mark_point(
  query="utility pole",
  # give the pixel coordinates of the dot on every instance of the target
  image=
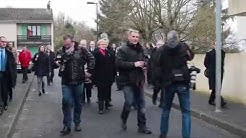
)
(218, 55)
(97, 20)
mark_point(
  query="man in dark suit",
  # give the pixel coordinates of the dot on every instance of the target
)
(8, 73)
(210, 64)
(92, 47)
(51, 55)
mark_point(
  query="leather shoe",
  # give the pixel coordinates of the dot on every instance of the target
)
(109, 104)
(1, 110)
(211, 103)
(154, 101)
(43, 90)
(5, 108)
(223, 104)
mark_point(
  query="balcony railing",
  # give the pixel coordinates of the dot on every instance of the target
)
(42, 38)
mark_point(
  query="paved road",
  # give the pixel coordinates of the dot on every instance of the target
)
(42, 118)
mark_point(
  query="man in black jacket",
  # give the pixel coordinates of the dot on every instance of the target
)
(131, 63)
(72, 59)
(210, 64)
(155, 73)
(175, 78)
(51, 55)
(8, 73)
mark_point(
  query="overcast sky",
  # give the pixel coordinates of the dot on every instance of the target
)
(76, 9)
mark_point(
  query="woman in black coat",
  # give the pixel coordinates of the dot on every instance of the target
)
(210, 64)
(103, 73)
(41, 67)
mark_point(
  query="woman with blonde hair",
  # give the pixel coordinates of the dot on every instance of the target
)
(103, 73)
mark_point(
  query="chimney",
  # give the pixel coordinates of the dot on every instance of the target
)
(48, 6)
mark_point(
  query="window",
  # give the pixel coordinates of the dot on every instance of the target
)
(34, 30)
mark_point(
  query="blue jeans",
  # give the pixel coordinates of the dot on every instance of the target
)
(183, 93)
(72, 97)
(134, 95)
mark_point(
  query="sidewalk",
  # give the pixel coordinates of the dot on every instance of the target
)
(9, 117)
(232, 118)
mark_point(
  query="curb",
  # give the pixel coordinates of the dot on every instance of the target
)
(228, 126)
(19, 109)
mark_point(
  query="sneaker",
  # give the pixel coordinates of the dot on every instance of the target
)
(1, 110)
(39, 94)
(154, 101)
(65, 130)
(163, 136)
(144, 131)
(78, 127)
(101, 112)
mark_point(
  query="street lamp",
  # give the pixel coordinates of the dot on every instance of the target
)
(97, 16)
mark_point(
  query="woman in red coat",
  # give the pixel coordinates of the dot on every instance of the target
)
(25, 58)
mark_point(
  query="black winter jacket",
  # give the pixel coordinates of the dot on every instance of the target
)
(171, 59)
(104, 72)
(125, 58)
(11, 72)
(72, 66)
(41, 64)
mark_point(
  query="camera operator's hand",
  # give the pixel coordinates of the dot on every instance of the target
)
(144, 68)
(87, 74)
(57, 63)
(139, 64)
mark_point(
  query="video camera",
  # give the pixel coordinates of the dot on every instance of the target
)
(193, 73)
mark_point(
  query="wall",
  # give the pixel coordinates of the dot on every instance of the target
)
(237, 7)
(9, 31)
(241, 30)
(234, 83)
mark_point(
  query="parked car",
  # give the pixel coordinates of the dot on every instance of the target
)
(19, 70)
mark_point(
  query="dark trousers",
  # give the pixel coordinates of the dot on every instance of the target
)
(156, 90)
(3, 90)
(133, 94)
(50, 77)
(103, 95)
(24, 71)
(87, 91)
(212, 97)
(10, 90)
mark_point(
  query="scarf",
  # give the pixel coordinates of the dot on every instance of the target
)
(70, 50)
(102, 51)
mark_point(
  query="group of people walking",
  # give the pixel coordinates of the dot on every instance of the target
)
(42, 64)
(81, 68)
